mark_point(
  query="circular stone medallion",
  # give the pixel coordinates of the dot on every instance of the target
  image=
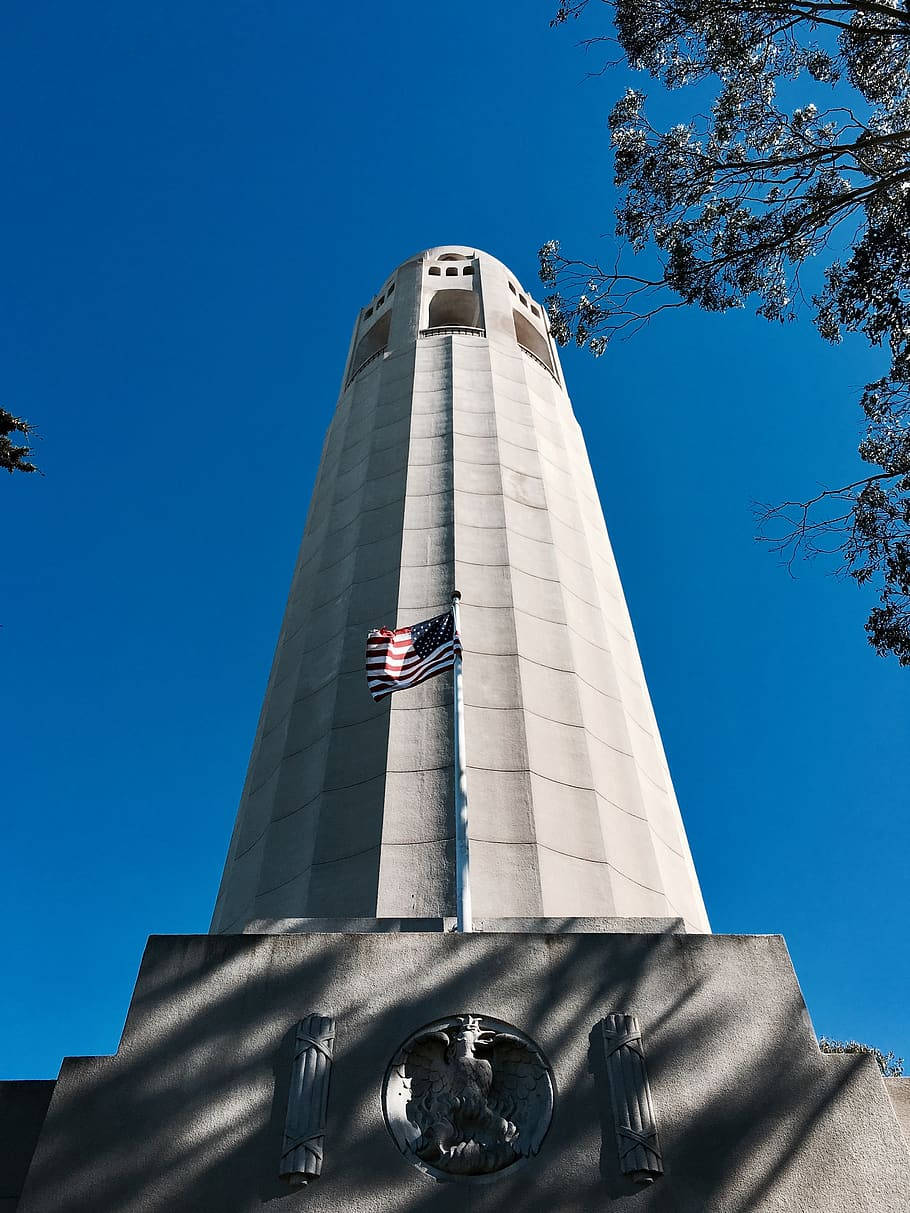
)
(468, 1098)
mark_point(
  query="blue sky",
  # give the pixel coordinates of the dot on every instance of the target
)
(198, 200)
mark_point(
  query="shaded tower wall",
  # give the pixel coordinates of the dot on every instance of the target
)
(454, 459)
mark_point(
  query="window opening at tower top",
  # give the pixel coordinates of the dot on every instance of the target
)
(454, 308)
(374, 340)
(531, 339)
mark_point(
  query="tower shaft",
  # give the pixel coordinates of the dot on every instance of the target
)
(454, 459)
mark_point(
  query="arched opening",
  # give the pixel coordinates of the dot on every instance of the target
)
(532, 339)
(372, 342)
(453, 257)
(455, 309)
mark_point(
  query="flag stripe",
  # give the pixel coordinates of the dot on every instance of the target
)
(396, 660)
(382, 691)
(444, 654)
(442, 662)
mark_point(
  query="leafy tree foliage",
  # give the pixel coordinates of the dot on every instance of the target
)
(890, 1066)
(13, 456)
(735, 201)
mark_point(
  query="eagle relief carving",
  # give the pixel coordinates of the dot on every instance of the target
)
(468, 1097)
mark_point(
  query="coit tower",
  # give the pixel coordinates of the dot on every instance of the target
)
(582, 1039)
(454, 459)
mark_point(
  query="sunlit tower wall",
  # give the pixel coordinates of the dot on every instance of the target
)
(454, 459)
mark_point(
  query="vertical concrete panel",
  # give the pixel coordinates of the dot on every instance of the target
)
(348, 571)
(627, 848)
(504, 870)
(645, 783)
(240, 880)
(415, 876)
(570, 848)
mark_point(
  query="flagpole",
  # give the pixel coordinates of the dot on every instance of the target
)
(463, 919)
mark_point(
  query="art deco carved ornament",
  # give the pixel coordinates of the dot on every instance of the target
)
(468, 1097)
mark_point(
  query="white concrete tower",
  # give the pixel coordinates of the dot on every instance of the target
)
(454, 460)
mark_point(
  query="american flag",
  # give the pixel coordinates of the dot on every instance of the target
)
(403, 658)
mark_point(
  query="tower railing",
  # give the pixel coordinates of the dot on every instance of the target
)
(442, 330)
(366, 362)
(446, 330)
(536, 358)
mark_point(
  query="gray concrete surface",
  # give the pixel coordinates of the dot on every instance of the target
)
(899, 1091)
(454, 458)
(539, 926)
(23, 1107)
(189, 1114)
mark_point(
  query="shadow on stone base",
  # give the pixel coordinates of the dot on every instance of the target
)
(189, 1115)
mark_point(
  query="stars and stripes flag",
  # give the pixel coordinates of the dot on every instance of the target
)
(403, 658)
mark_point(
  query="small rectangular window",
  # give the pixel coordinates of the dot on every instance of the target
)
(391, 288)
(521, 299)
(535, 310)
(434, 269)
(451, 270)
(380, 301)
(368, 313)
(468, 269)
(512, 289)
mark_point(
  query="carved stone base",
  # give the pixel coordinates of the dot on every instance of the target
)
(189, 1115)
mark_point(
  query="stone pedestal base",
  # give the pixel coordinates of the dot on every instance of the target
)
(189, 1115)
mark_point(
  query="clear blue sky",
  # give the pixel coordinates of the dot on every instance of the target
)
(197, 200)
